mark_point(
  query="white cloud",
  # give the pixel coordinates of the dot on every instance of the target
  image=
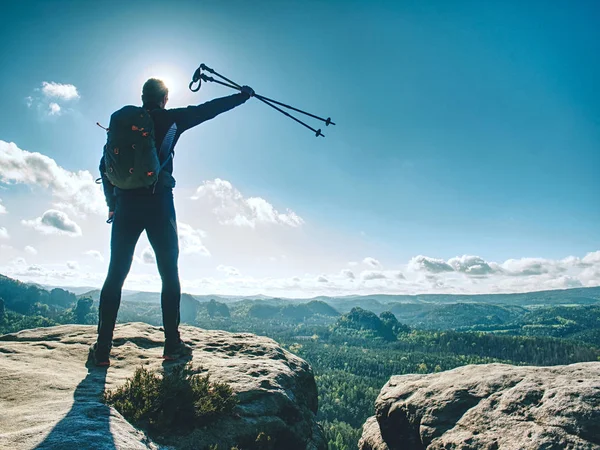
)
(513, 275)
(232, 208)
(48, 100)
(54, 109)
(18, 262)
(348, 274)
(73, 265)
(372, 275)
(563, 282)
(190, 240)
(590, 276)
(58, 90)
(4, 233)
(530, 266)
(54, 222)
(229, 270)
(148, 256)
(573, 274)
(471, 265)
(372, 262)
(476, 266)
(76, 189)
(29, 249)
(51, 274)
(2, 208)
(591, 259)
(433, 265)
(95, 254)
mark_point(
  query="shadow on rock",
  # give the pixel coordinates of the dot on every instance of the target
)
(87, 424)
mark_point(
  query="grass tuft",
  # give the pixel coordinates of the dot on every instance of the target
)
(177, 400)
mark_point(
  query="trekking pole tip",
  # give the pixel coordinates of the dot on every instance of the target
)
(318, 133)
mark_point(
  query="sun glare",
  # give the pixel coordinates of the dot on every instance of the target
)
(171, 76)
(165, 79)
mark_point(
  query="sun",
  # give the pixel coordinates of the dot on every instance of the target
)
(172, 76)
(165, 79)
(168, 82)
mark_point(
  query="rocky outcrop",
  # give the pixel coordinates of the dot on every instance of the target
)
(494, 406)
(49, 399)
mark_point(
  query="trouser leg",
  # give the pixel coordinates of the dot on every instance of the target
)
(162, 234)
(126, 230)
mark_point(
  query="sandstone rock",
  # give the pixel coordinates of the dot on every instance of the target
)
(494, 406)
(49, 399)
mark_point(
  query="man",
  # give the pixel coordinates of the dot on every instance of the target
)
(152, 209)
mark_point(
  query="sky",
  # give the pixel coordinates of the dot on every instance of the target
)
(464, 159)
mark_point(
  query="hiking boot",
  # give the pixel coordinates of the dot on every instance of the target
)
(176, 351)
(99, 355)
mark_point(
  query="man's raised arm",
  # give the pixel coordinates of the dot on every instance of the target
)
(194, 115)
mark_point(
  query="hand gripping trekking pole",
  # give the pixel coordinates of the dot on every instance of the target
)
(198, 77)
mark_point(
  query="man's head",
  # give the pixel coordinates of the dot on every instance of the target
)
(155, 92)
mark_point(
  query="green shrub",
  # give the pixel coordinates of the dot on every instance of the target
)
(176, 401)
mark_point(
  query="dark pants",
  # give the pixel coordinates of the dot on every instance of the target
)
(134, 214)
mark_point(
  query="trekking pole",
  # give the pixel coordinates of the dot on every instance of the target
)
(262, 97)
(199, 76)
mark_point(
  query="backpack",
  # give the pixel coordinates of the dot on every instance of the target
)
(130, 157)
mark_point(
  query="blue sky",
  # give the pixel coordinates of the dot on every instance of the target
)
(464, 128)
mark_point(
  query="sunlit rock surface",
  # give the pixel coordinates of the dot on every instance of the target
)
(494, 406)
(50, 400)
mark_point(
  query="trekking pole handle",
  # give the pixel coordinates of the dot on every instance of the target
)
(206, 68)
(196, 78)
(222, 83)
(214, 72)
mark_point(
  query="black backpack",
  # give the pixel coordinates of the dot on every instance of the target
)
(131, 160)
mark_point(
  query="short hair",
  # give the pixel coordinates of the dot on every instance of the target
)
(153, 91)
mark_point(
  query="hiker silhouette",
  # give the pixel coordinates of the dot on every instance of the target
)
(149, 207)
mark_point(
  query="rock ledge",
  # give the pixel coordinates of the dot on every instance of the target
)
(494, 406)
(49, 399)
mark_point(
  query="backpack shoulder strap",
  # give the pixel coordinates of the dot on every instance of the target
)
(167, 145)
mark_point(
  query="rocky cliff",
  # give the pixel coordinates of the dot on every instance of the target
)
(493, 406)
(50, 399)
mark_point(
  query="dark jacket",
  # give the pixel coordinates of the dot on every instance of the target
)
(184, 119)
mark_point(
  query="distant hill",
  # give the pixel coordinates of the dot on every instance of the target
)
(383, 302)
(300, 312)
(460, 315)
(133, 296)
(78, 290)
(25, 298)
(95, 294)
(569, 313)
(368, 324)
(575, 296)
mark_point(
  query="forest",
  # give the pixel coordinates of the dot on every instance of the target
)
(355, 344)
